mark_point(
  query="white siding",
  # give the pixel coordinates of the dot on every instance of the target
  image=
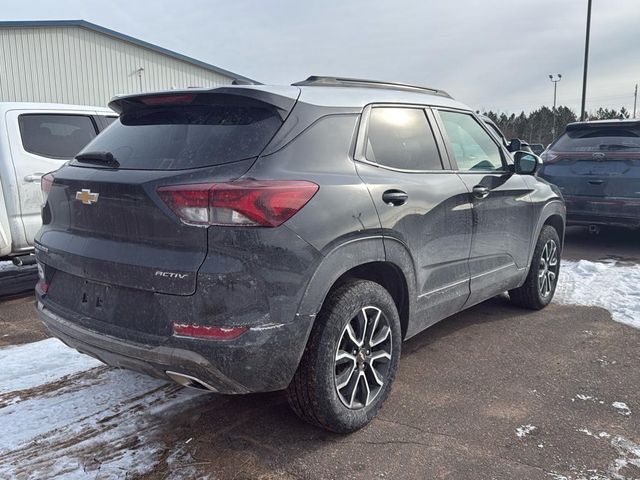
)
(80, 66)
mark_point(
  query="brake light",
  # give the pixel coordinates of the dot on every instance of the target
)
(182, 99)
(46, 182)
(251, 203)
(212, 333)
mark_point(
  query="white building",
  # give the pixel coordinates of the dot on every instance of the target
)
(77, 62)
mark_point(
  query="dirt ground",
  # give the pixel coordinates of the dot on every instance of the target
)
(492, 393)
(18, 322)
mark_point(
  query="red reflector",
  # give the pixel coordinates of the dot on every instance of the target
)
(201, 331)
(257, 203)
(183, 99)
(42, 287)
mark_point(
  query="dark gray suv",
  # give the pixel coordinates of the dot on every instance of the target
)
(259, 238)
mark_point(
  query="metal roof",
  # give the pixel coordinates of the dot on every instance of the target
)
(121, 36)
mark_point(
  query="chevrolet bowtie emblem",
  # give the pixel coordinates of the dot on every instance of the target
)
(87, 197)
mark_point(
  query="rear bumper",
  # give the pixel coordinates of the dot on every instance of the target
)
(262, 359)
(610, 211)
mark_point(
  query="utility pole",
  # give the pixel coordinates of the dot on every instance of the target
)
(635, 101)
(555, 91)
(583, 115)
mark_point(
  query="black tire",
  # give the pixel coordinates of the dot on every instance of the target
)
(531, 294)
(313, 393)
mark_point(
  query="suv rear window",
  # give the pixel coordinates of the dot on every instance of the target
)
(188, 136)
(54, 135)
(599, 139)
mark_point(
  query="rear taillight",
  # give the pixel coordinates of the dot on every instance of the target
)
(46, 181)
(252, 203)
(207, 332)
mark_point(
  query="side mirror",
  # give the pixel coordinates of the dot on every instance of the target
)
(526, 163)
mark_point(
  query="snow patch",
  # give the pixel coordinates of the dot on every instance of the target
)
(34, 364)
(609, 285)
(600, 435)
(6, 265)
(100, 422)
(628, 454)
(622, 408)
(524, 430)
(584, 398)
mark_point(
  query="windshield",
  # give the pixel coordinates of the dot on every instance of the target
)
(191, 136)
(599, 140)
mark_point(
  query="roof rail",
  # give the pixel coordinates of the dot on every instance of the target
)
(320, 81)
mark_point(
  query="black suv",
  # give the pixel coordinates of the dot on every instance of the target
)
(258, 238)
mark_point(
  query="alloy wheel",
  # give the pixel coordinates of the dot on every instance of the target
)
(362, 358)
(548, 271)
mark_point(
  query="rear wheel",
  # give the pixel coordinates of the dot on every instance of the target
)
(540, 285)
(350, 360)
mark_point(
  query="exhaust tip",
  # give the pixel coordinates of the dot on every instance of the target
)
(24, 260)
(189, 381)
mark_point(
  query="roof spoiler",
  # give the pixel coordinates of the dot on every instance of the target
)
(322, 81)
(621, 123)
(202, 96)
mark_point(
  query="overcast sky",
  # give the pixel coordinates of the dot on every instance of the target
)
(490, 54)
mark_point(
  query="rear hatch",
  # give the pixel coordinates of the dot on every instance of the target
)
(105, 227)
(596, 161)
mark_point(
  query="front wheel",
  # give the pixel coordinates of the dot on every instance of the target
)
(540, 285)
(350, 360)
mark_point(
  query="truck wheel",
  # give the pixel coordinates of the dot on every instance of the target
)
(538, 289)
(350, 360)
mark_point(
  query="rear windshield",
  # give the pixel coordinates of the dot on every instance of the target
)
(189, 136)
(599, 139)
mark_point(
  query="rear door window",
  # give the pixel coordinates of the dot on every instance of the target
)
(188, 136)
(471, 145)
(599, 140)
(55, 135)
(402, 138)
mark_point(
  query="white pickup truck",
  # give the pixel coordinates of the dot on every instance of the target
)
(35, 138)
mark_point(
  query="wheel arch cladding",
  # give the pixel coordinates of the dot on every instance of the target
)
(364, 259)
(554, 214)
(390, 277)
(557, 222)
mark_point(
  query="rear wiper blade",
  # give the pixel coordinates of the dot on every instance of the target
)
(105, 158)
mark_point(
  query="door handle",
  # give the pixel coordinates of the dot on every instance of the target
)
(480, 191)
(596, 182)
(34, 177)
(395, 197)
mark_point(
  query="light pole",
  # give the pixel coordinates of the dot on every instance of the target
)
(583, 113)
(555, 92)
